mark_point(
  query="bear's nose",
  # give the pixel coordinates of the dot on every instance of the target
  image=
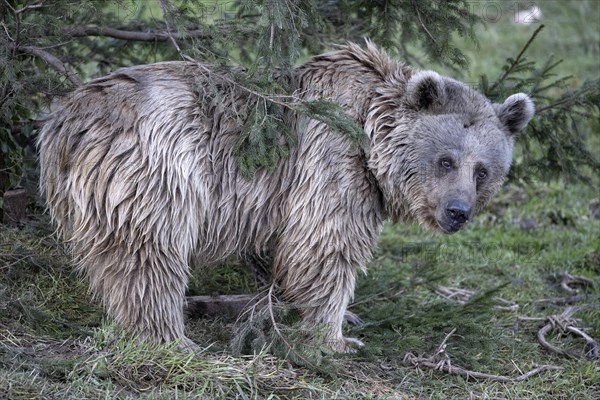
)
(458, 211)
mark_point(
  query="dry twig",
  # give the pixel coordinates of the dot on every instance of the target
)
(559, 301)
(462, 296)
(446, 366)
(566, 324)
(29, 7)
(509, 305)
(424, 27)
(458, 295)
(482, 375)
(52, 61)
(567, 281)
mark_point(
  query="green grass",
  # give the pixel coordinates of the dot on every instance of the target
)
(497, 258)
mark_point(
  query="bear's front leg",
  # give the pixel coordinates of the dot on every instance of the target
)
(331, 316)
(319, 280)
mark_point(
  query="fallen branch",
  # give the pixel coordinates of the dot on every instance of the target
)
(273, 321)
(458, 295)
(517, 324)
(420, 362)
(567, 280)
(541, 336)
(560, 301)
(261, 314)
(445, 365)
(565, 324)
(592, 350)
(509, 305)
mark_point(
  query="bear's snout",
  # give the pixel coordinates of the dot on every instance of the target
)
(456, 215)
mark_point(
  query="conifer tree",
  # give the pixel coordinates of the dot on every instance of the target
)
(49, 47)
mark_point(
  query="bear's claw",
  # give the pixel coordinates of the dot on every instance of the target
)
(346, 345)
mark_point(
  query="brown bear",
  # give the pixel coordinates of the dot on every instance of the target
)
(139, 173)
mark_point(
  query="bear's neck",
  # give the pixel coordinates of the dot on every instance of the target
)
(360, 90)
(323, 79)
(346, 79)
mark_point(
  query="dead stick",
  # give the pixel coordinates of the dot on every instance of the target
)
(594, 349)
(567, 280)
(566, 300)
(566, 324)
(451, 369)
(541, 336)
(561, 320)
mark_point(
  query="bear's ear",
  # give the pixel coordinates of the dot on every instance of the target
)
(424, 89)
(515, 113)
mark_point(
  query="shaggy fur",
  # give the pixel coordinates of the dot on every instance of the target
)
(139, 173)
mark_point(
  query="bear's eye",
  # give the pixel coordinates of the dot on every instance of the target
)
(482, 173)
(446, 163)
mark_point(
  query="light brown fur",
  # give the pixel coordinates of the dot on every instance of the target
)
(139, 173)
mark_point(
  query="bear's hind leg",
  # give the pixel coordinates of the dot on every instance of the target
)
(143, 291)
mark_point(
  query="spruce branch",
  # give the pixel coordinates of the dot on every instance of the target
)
(52, 61)
(29, 7)
(568, 99)
(424, 27)
(559, 113)
(265, 124)
(83, 31)
(164, 4)
(516, 62)
(334, 116)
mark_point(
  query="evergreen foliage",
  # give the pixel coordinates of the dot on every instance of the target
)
(555, 144)
(49, 47)
(395, 24)
(334, 116)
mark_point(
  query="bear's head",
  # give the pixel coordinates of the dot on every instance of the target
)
(440, 149)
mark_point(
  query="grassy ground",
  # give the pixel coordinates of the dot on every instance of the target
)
(55, 342)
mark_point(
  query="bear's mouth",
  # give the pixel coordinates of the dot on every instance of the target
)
(438, 221)
(450, 227)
